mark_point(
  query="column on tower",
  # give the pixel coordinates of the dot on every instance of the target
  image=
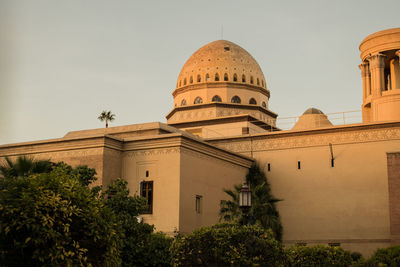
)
(395, 71)
(366, 79)
(377, 68)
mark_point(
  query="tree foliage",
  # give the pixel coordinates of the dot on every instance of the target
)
(227, 245)
(263, 210)
(106, 116)
(24, 166)
(389, 257)
(52, 219)
(141, 246)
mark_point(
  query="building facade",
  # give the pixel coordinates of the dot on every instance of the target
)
(340, 184)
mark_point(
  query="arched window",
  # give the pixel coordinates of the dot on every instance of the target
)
(264, 104)
(258, 81)
(262, 83)
(191, 79)
(252, 101)
(183, 102)
(198, 78)
(216, 77)
(226, 77)
(207, 77)
(216, 98)
(236, 99)
(235, 77)
(251, 80)
(243, 78)
(198, 100)
(184, 81)
(180, 82)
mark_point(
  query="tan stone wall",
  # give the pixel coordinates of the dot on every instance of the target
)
(393, 165)
(347, 203)
(206, 176)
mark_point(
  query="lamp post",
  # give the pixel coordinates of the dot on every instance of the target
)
(245, 202)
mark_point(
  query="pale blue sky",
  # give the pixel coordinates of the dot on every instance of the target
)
(63, 62)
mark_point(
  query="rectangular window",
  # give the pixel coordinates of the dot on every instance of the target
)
(269, 167)
(198, 203)
(302, 244)
(332, 163)
(299, 165)
(146, 191)
(334, 244)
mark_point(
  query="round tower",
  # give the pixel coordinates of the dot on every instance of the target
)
(380, 71)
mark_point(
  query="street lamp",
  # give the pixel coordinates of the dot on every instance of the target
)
(245, 202)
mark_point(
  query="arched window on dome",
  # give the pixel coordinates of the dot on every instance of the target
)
(226, 77)
(184, 81)
(207, 77)
(216, 77)
(198, 78)
(264, 105)
(243, 78)
(235, 77)
(198, 100)
(262, 83)
(183, 102)
(236, 99)
(180, 83)
(252, 101)
(216, 98)
(251, 80)
(258, 81)
(191, 79)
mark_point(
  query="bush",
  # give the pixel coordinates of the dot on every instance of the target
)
(52, 219)
(385, 257)
(317, 256)
(227, 245)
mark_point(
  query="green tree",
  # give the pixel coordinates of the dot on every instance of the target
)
(106, 116)
(24, 166)
(299, 256)
(385, 257)
(263, 204)
(227, 245)
(141, 246)
(52, 219)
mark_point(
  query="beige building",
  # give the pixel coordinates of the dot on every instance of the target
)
(340, 184)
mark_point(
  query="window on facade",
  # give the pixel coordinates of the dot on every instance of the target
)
(264, 105)
(198, 100)
(226, 77)
(216, 98)
(191, 79)
(183, 102)
(262, 83)
(184, 81)
(147, 173)
(146, 191)
(207, 77)
(302, 244)
(216, 77)
(269, 167)
(236, 99)
(235, 77)
(198, 205)
(198, 78)
(243, 78)
(334, 244)
(252, 101)
(180, 83)
(258, 81)
(299, 165)
(251, 80)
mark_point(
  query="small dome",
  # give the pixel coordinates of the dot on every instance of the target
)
(312, 118)
(221, 61)
(313, 111)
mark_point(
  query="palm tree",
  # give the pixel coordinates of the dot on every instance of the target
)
(106, 116)
(263, 210)
(24, 166)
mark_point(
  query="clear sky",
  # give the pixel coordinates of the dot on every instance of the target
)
(63, 62)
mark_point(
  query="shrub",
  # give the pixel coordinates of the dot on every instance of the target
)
(227, 245)
(317, 256)
(385, 257)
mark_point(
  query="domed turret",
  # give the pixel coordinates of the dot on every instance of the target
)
(312, 118)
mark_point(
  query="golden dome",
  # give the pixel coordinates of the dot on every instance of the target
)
(221, 61)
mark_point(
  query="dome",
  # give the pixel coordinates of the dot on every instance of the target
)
(313, 111)
(221, 61)
(312, 118)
